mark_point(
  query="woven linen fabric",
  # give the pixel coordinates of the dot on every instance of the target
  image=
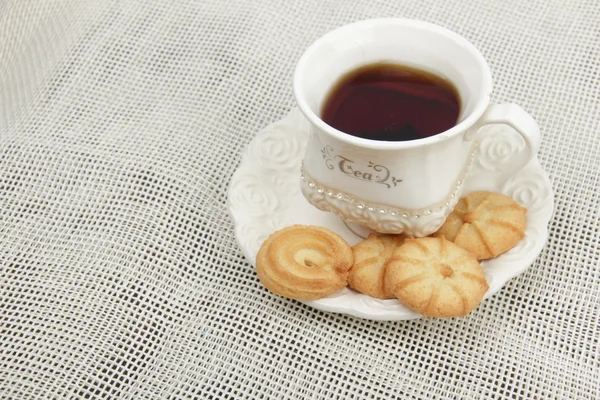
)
(121, 124)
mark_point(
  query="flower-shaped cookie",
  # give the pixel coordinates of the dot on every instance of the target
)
(370, 261)
(486, 224)
(435, 277)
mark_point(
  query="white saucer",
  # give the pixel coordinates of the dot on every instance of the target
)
(264, 196)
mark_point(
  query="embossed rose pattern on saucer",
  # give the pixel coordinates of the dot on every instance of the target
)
(264, 196)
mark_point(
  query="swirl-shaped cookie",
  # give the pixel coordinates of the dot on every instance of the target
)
(370, 262)
(486, 224)
(304, 262)
(435, 277)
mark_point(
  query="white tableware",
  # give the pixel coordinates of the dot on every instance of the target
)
(264, 196)
(410, 186)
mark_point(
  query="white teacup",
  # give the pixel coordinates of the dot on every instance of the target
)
(398, 187)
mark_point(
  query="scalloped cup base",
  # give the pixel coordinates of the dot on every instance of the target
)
(378, 218)
(265, 195)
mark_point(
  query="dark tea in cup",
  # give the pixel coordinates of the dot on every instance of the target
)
(391, 102)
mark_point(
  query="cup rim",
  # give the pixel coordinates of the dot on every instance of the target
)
(462, 126)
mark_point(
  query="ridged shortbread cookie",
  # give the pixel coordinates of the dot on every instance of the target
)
(370, 261)
(486, 224)
(304, 262)
(435, 277)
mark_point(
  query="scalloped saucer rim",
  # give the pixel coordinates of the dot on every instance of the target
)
(264, 196)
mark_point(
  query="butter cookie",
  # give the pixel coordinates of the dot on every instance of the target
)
(435, 277)
(304, 262)
(486, 224)
(370, 261)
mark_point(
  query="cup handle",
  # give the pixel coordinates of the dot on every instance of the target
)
(524, 124)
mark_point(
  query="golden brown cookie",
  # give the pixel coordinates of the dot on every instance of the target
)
(370, 261)
(304, 262)
(435, 277)
(486, 224)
